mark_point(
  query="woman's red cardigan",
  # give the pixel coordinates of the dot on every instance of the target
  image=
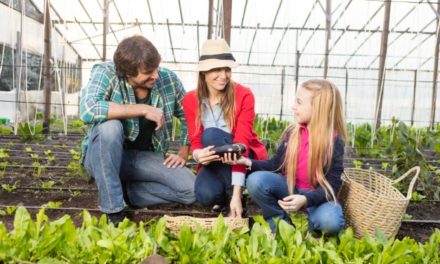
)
(243, 131)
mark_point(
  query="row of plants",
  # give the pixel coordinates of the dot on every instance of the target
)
(404, 145)
(33, 130)
(95, 241)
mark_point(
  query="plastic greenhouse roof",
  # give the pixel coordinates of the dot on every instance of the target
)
(263, 32)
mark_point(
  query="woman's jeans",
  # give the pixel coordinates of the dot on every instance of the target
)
(146, 179)
(213, 182)
(266, 188)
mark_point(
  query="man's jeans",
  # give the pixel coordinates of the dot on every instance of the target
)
(146, 179)
(266, 188)
(213, 182)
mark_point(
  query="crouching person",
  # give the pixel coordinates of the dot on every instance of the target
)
(130, 103)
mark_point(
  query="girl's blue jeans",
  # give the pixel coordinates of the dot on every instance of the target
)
(266, 188)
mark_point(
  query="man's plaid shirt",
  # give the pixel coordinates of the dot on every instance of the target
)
(105, 86)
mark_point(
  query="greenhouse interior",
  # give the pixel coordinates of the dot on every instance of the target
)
(368, 161)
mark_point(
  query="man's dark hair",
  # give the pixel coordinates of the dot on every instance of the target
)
(134, 52)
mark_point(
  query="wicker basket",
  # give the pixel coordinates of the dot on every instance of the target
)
(175, 223)
(370, 201)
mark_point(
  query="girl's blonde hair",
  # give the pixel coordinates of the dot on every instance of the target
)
(327, 119)
(227, 102)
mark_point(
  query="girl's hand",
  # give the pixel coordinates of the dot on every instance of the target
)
(205, 156)
(231, 159)
(293, 203)
(236, 208)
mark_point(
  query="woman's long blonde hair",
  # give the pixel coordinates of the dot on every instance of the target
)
(227, 102)
(326, 120)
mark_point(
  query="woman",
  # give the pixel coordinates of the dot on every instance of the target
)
(220, 111)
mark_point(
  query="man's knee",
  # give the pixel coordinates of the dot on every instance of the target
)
(110, 131)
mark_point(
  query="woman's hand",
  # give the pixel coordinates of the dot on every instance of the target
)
(205, 156)
(231, 159)
(236, 208)
(293, 203)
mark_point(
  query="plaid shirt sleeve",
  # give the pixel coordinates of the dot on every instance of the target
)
(93, 106)
(178, 112)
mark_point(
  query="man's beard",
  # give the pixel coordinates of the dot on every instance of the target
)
(145, 84)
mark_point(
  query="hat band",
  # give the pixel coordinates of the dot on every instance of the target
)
(222, 56)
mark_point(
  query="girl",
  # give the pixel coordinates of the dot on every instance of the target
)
(220, 111)
(306, 170)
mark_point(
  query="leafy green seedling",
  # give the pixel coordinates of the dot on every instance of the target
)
(48, 184)
(357, 164)
(9, 188)
(52, 204)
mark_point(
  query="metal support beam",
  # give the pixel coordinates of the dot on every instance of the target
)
(406, 15)
(342, 13)
(328, 22)
(244, 13)
(252, 43)
(105, 30)
(47, 70)
(110, 25)
(283, 77)
(356, 30)
(389, 45)
(423, 28)
(298, 55)
(198, 40)
(227, 16)
(139, 26)
(276, 16)
(181, 16)
(412, 50)
(87, 13)
(413, 105)
(382, 60)
(435, 72)
(424, 62)
(307, 18)
(279, 44)
(171, 41)
(334, 44)
(360, 46)
(308, 40)
(56, 13)
(117, 11)
(151, 14)
(346, 92)
(369, 20)
(88, 37)
(210, 11)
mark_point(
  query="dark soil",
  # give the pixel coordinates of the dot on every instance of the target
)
(76, 192)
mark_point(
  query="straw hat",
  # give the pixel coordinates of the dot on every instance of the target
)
(215, 54)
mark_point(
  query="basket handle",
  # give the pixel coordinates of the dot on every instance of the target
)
(415, 169)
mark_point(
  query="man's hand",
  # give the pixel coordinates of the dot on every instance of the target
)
(293, 203)
(183, 152)
(174, 161)
(156, 115)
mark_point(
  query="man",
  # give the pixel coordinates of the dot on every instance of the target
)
(130, 104)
